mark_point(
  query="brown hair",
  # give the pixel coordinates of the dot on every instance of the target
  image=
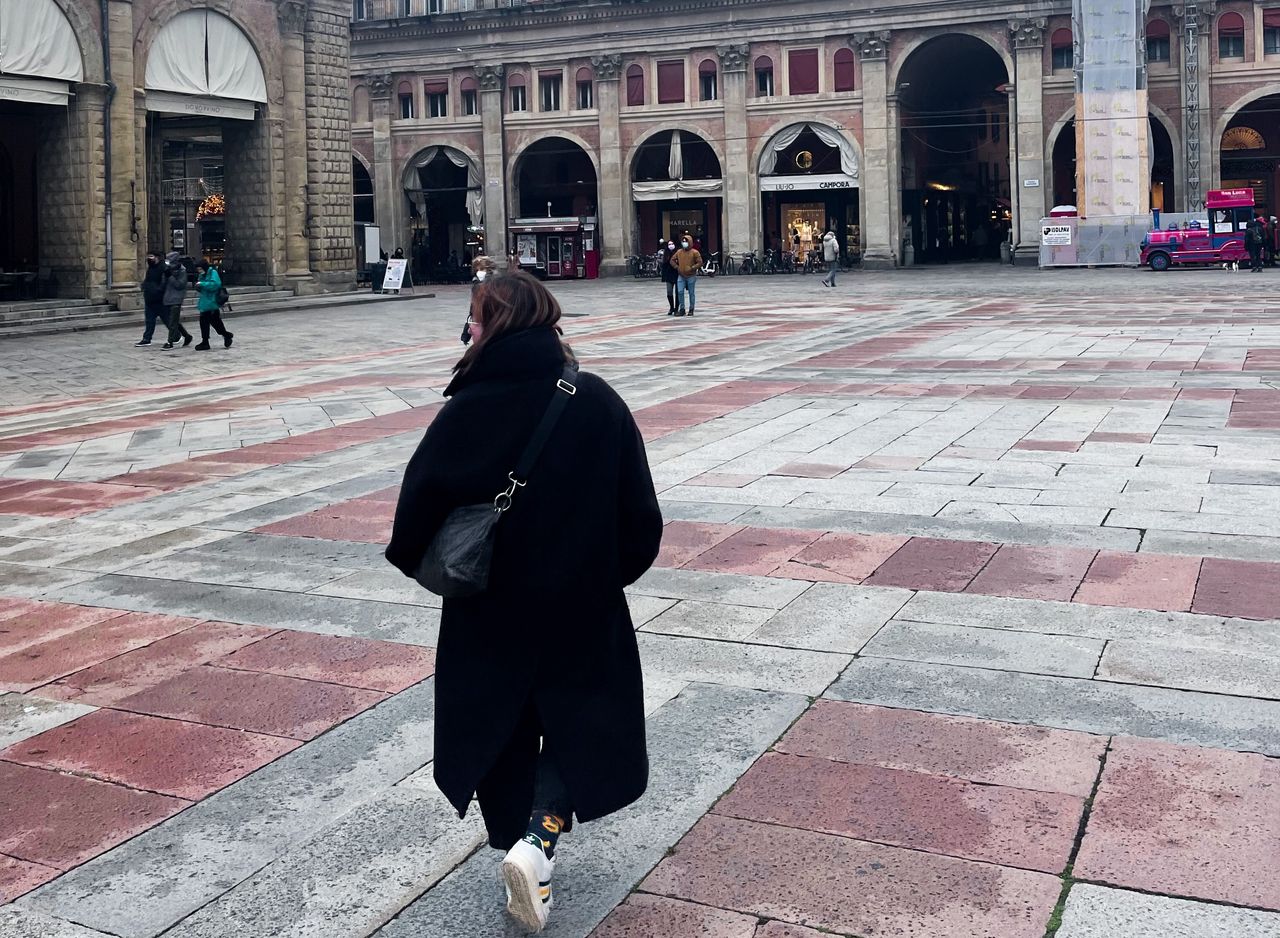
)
(483, 262)
(510, 301)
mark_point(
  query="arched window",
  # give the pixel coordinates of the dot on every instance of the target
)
(844, 70)
(1271, 32)
(635, 86)
(404, 95)
(764, 77)
(470, 96)
(1231, 36)
(708, 81)
(1158, 41)
(1060, 49)
(518, 94)
(585, 82)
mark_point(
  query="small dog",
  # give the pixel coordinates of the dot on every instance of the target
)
(1231, 265)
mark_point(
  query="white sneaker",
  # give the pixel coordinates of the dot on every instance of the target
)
(526, 872)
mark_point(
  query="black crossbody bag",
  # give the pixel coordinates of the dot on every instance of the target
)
(457, 561)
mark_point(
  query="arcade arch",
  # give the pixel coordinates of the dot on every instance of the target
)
(446, 212)
(677, 185)
(809, 174)
(555, 198)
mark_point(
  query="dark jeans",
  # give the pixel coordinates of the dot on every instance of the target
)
(1255, 257)
(154, 312)
(211, 317)
(832, 267)
(176, 329)
(671, 294)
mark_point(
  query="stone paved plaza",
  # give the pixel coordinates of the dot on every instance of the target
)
(966, 622)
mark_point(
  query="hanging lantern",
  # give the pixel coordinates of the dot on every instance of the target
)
(212, 206)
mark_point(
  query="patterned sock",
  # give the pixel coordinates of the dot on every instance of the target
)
(544, 831)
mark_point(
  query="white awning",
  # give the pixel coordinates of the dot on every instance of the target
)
(659, 190)
(812, 183)
(39, 54)
(166, 102)
(204, 54)
(34, 90)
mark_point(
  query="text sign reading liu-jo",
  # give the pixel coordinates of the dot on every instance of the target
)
(1055, 235)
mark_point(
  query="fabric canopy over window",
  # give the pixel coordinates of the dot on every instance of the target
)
(436, 87)
(844, 70)
(203, 53)
(1158, 29)
(832, 138)
(1271, 19)
(475, 196)
(660, 190)
(468, 84)
(39, 54)
(1061, 39)
(584, 74)
(708, 67)
(764, 64)
(1231, 24)
(515, 81)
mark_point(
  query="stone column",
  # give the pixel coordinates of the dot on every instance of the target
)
(739, 233)
(1026, 138)
(124, 160)
(613, 192)
(881, 195)
(292, 17)
(490, 80)
(388, 198)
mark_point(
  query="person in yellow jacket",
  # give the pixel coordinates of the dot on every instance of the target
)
(688, 264)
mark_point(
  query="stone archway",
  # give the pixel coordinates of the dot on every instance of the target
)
(676, 183)
(442, 186)
(1248, 141)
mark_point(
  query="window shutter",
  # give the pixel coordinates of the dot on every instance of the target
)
(802, 71)
(844, 70)
(1232, 25)
(670, 82)
(635, 86)
(1158, 29)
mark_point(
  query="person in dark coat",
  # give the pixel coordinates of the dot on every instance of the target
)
(175, 291)
(153, 298)
(539, 698)
(666, 251)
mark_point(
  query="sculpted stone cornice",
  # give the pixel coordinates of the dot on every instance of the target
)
(607, 67)
(733, 57)
(1028, 33)
(380, 85)
(873, 45)
(292, 16)
(489, 77)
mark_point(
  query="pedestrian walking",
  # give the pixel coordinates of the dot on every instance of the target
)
(830, 254)
(481, 268)
(687, 263)
(1254, 237)
(209, 299)
(175, 291)
(539, 707)
(666, 251)
(153, 299)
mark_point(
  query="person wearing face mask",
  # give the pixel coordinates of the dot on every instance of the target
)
(666, 251)
(153, 298)
(687, 263)
(481, 268)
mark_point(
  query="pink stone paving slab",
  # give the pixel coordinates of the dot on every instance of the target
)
(41, 663)
(792, 570)
(172, 757)
(849, 886)
(1185, 821)
(784, 930)
(60, 820)
(646, 916)
(45, 621)
(249, 700)
(1051, 573)
(1103, 437)
(1140, 581)
(326, 525)
(853, 557)
(983, 751)
(1240, 588)
(1028, 829)
(809, 470)
(684, 540)
(1051, 446)
(103, 685)
(926, 563)
(20, 876)
(757, 551)
(353, 662)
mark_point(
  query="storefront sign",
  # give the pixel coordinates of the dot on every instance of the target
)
(817, 182)
(394, 278)
(168, 103)
(527, 248)
(1055, 235)
(34, 90)
(1031, 183)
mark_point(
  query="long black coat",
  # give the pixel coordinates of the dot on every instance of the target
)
(549, 647)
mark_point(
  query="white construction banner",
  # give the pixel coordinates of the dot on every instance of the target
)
(1056, 235)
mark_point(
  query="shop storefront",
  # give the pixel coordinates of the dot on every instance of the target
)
(663, 214)
(556, 248)
(799, 210)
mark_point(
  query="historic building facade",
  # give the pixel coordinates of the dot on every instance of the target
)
(219, 129)
(932, 131)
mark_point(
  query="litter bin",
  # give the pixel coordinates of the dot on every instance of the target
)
(1006, 252)
(377, 272)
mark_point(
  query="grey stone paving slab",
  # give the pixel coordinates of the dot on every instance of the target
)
(709, 620)
(382, 585)
(17, 922)
(1031, 652)
(1242, 673)
(352, 877)
(158, 878)
(730, 588)
(151, 548)
(1100, 912)
(678, 510)
(36, 582)
(1068, 703)
(1225, 546)
(306, 612)
(24, 715)
(699, 745)
(253, 548)
(792, 670)
(196, 567)
(645, 608)
(832, 617)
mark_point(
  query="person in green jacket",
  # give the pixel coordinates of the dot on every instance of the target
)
(208, 283)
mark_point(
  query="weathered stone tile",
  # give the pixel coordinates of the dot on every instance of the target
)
(1032, 652)
(709, 620)
(17, 922)
(644, 916)
(727, 588)
(757, 666)
(1098, 912)
(831, 617)
(25, 715)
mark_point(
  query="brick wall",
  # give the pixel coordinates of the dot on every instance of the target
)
(331, 222)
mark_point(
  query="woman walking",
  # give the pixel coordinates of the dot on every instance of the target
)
(175, 291)
(539, 707)
(208, 283)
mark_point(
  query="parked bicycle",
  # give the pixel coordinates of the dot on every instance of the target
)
(750, 263)
(711, 264)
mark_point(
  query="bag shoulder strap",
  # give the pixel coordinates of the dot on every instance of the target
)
(565, 389)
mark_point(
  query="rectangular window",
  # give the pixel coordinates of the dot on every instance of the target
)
(802, 71)
(518, 100)
(1271, 32)
(438, 104)
(707, 87)
(1158, 48)
(670, 82)
(1230, 47)
(406, 107)
(470, 103)
(549, 92)
(358, 10)
(586, 96)
(1063, 58)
